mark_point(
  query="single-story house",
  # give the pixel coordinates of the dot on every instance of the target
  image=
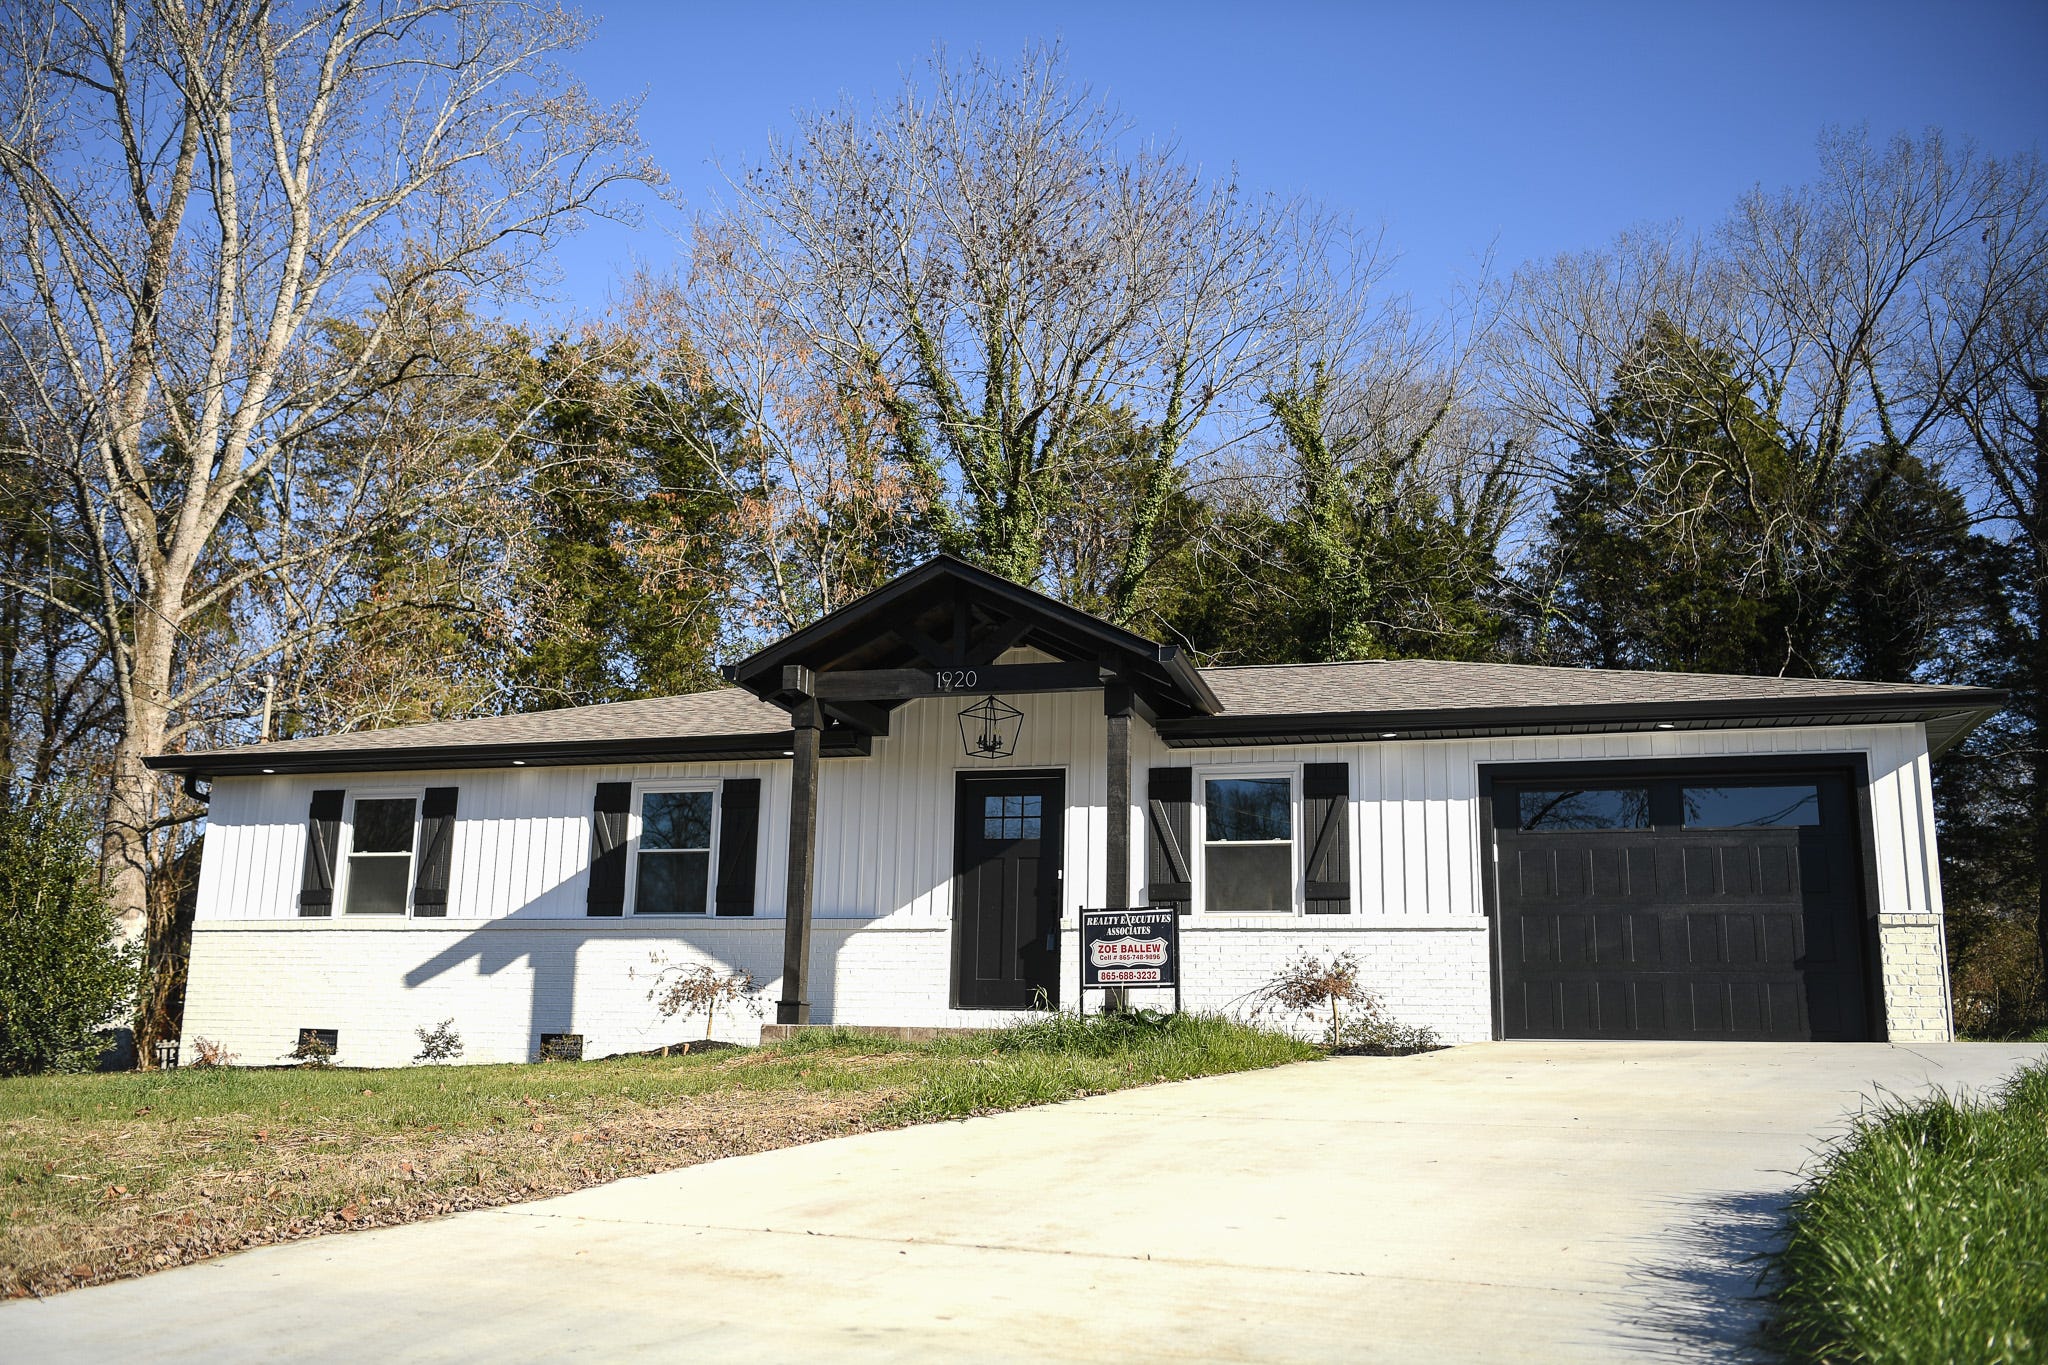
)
(895, 816)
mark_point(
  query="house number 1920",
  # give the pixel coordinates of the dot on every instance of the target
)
(956, 679)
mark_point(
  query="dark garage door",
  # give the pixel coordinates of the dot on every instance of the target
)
(1702, 906)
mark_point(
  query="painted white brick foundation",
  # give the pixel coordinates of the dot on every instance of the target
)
(1437, 976)
(254, 985)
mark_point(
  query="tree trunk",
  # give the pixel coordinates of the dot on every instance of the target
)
(2036, 684)
(131, 811)
(10, 651)
(2039, 748)
(134, 805)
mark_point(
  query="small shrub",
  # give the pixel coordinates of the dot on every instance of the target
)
(207, 1053)
(1368, 1031)
(687, 990)
(66, 975)
(1329, 996)
(441, 1043)
(313, 1051)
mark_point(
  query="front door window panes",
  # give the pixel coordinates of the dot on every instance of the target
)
(674, 875)
(1584, 808)
(1012, 817)
(1248, 849)
(380, 854)
(1774, 807)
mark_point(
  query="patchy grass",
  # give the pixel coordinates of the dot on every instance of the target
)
(104, 1177)
(1923, 1235)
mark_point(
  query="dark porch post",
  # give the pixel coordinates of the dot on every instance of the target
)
(1116, 705)
(808, 724)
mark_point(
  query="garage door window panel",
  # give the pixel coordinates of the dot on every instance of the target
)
(1578, 809)
(1752, 807)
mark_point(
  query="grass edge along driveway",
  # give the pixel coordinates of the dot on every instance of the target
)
(103, 1177)
(1923, 1234)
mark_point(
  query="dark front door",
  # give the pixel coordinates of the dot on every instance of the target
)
(1702, 906)
(1006, 912)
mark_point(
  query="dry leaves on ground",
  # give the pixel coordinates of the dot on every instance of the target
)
(186, 1192)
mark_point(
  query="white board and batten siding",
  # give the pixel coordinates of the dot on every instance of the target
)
(883, 896)
(521, 835)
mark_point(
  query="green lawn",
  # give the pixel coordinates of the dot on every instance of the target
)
(107, 1176)
(1923, 1236)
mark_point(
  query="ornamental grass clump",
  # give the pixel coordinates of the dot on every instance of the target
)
(1923, 1235)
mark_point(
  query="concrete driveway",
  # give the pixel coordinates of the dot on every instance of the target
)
(1504, 1201)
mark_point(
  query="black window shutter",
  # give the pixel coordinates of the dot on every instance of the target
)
(608, 848)
(1169, 803)
(437, 849)
(1326, 824)
(739, 830)
(323, 838)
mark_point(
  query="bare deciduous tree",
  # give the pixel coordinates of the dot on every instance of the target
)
(825, 504)
(2001, 406)
(191, 192)
(1844, 308)
(1372, 517)
(1847, 302)
(993, 265)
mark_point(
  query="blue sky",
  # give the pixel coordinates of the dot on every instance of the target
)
(1527, 128)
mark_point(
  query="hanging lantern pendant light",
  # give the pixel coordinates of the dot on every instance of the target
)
(989, 728)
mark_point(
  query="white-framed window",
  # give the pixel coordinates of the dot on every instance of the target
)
(1246, 822)
(381, 836)
(674, 840)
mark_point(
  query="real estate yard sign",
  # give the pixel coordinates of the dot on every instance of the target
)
(1130, 948)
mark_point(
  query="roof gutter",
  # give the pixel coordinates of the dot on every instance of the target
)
(1974, 704)
(204, 765)
(1174, 660)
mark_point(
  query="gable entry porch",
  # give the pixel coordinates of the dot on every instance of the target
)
(939, 631)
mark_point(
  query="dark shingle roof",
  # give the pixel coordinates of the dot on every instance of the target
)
(1290, 703)
(727, 723)
(1427, 684)
(727, 711)
(1424, 699)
